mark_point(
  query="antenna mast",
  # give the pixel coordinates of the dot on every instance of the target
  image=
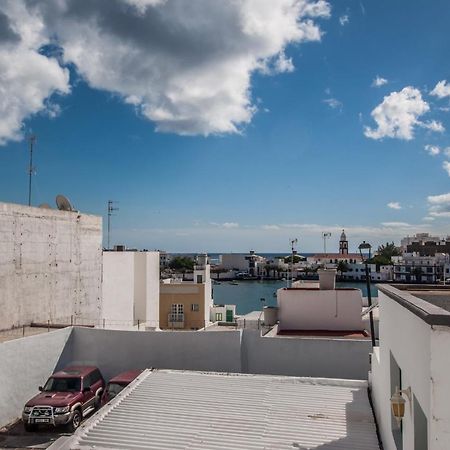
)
(31, 140)
(111, 209)
(325, 236)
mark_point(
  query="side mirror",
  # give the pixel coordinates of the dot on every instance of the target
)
(41, 388)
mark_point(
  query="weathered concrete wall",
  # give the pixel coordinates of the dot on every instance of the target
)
(305, 357)
(25, 364)
(50, 265)
(115, 351)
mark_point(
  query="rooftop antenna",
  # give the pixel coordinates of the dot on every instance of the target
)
(111, 209)
(63, 203)
(31, 140)
(293, 242)
(325, 235)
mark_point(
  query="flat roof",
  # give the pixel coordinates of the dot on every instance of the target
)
(167, 409)
(429, 302)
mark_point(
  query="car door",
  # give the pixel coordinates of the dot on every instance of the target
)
(88, 395)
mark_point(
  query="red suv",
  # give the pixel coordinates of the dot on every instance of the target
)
(118, 383)
(67, 397)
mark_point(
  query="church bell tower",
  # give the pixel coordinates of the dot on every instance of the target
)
(343, 244)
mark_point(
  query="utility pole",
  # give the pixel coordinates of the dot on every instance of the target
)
(111, 209)
(325, 236)
(31, 140)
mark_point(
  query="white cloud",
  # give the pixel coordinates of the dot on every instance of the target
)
(230, 225)
(379, 81)
(344, 20)
(428, 219)
(446, 151)
(396, 224)
(433, 150)
(441, 90)
(28, 78)
(186, 66)
(398, 114)
(439, 205)
(433, 125)
(446, 166)
(270, 227)
(394, 205)
(333, 103)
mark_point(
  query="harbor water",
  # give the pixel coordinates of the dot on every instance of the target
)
(248, 295)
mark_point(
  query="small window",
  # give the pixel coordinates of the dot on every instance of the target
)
(199, 279)
(195, 307)
(218, 317)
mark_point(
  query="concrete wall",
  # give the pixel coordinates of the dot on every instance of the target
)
(421, 352)
(50, 265)
(25, 364)
(215, 351)
(314, 309)
(306, 357)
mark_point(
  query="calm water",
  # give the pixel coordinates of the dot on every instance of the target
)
(246, 295)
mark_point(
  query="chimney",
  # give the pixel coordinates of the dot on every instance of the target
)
(327, 279)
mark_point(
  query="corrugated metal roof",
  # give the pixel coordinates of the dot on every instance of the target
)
(167, 409)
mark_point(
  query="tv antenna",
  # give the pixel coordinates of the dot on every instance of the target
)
(31, 140)
(292, 242)
(111, 209)
(63, 203)
(325, 235)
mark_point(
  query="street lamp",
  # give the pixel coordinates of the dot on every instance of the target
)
(366, 246)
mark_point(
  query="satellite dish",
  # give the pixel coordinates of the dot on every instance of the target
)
(44, 206)
(63, 203)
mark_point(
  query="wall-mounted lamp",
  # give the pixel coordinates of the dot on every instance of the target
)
(398, 403)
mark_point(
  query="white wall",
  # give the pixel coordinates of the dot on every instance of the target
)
(50, 265)
(25, 364)
(421, 352)
(130, 289)
(314, 309)
(234, 261)
(118, 289)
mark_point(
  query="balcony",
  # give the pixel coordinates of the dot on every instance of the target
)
(175, 320)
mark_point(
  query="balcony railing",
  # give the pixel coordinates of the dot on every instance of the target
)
(175, 320)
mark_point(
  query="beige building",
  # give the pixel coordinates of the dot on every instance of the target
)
(185, 305)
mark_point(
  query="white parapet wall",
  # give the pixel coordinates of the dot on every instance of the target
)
(50, 265)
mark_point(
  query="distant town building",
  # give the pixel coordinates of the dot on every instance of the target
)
(418, 238)
(185, 305)
(411, 267)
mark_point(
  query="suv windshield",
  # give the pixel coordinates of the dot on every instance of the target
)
(63, 385)
(113, 389)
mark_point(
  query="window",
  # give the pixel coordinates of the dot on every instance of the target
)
(218, 317)
(199, 279)
(177, 308)
(195, 307)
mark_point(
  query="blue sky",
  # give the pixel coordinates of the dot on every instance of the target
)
(302, 162)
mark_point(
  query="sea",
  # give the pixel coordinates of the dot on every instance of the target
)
(251, 295)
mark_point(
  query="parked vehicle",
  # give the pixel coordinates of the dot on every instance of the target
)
(66, 398)
(118, 383)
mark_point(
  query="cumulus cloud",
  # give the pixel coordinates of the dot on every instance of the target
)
(446, 151)
(446, 167)
(439, 205)
(441, 90)
(398, 115)
(396, 224)
(270, 227)
(225, 224)
(28, 78)
(433, 150)
(394, 205)
(186, 66)
(344, 20)
(379, 81)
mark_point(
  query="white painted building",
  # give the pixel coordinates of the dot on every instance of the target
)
(420, 238)
(315, 307)
(222, 313)
(424, 269)
(130, 289)
(50, 266)
(413, 356)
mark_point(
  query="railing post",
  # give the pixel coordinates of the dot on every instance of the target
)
(23, 331)
(71, 320)
(138, 324)
(48, 326)
(103, 323)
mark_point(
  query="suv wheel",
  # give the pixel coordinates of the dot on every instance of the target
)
(76, 420)
(29, 426)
